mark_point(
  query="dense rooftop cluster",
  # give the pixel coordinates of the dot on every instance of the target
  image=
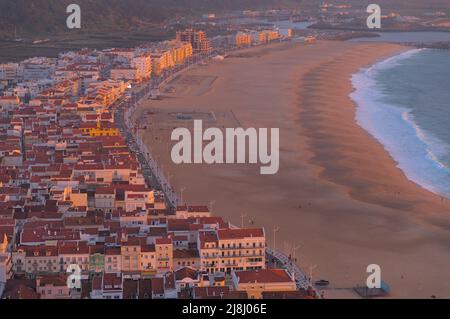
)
(78, 218)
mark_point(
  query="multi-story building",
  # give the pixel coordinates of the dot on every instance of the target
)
(180, 51)
(197, 39)
(101, 173)
(113, 260)
(130, 251)
(241, 249)
(192, 211)
(105, 198)
(161, 60)
(243, 39)
(126, 53)
(164, 254)
(148, 259)
(208, 245)
(10, 72)
(143, 64)
(96, 258)
(186, 258)
(255, 282)
(53, 287)
(105, 92)
(40, 259)
(74, 254)
(99, 129)
(36, 71)
(232, 249)
(285, 32)
(108, 286)
(126, 73)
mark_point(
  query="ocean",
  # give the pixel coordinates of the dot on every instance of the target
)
(404, 102)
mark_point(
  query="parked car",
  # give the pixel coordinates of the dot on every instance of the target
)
(322, 283)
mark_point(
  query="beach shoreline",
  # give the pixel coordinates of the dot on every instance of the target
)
(384, 120)
(328, 197)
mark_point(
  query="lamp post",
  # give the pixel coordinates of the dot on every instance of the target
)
(275, 229)
(293, 260)
(311, 268)
(242, 219)
(181, 196)
(211, 203)
(293, 251)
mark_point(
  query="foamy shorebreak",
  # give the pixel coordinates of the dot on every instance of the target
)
(414, 149)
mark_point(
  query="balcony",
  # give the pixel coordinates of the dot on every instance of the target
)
(242, 247)
(243, 256)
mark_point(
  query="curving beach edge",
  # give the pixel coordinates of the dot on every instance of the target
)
(338, 193)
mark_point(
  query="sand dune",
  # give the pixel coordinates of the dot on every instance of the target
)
(338, 193)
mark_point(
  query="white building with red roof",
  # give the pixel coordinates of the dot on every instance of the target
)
(230, 249)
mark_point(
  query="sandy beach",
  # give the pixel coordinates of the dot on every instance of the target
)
(338, 193)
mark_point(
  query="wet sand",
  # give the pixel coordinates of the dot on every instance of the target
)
(338, 193)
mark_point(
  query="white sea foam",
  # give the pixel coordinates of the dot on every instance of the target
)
(415, 150)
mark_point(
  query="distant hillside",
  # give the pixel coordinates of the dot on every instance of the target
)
(48, 16)
(37, 17)
(400, 4)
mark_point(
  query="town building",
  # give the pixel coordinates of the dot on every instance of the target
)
(256, 282)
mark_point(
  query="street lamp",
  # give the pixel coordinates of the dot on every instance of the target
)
(275, 229)
(211, 203)
(242, 219)
(294, 250)
(181, 196)
(311, 268)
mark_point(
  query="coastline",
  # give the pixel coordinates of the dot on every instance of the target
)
(327, 196)
(414, 151)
